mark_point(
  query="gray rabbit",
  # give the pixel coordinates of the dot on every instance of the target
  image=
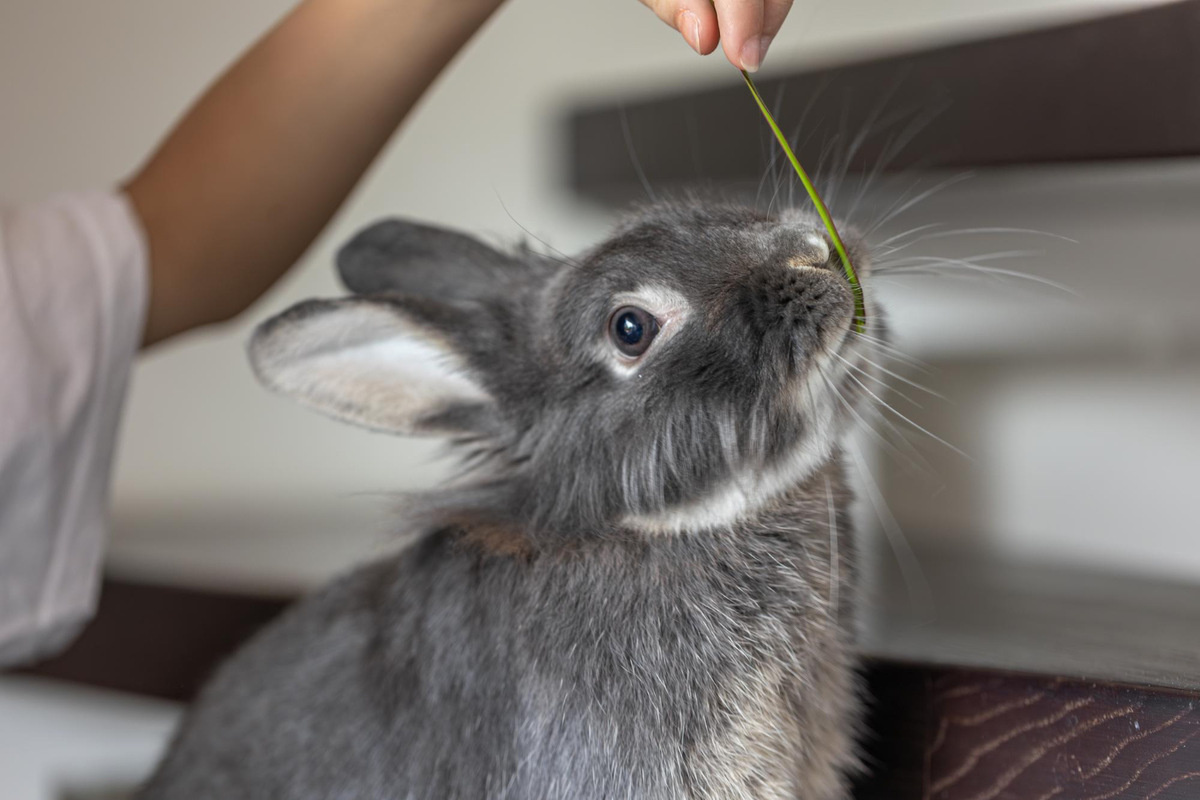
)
(639, 585)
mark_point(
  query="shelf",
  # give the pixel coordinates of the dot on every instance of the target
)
(1024, 617)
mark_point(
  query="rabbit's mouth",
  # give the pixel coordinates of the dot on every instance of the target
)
(802, 264)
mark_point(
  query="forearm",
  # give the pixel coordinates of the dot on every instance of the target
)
(255, 170)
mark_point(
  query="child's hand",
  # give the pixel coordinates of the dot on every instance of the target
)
(744, 27)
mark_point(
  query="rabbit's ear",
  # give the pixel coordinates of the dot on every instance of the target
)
(422, 260)
(385, 364)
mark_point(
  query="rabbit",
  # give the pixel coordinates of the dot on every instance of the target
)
(639, 586)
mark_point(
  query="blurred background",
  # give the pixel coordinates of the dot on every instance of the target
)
(1076, 410)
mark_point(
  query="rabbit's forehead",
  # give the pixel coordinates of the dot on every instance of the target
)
(701, 253)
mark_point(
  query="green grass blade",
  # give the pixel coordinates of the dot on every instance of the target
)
(860, 310)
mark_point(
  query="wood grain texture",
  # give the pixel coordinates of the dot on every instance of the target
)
(1006, 737)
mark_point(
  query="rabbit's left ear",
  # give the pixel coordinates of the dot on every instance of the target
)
(420, 260)
(385, 364)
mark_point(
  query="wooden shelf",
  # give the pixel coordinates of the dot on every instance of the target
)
(992, 614)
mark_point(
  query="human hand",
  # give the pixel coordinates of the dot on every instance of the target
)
(744, 28)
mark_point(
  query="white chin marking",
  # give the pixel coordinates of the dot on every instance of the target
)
(751, 490)
(748, 493)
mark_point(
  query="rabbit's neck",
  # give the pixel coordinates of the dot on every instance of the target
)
(748, 494)
(718, 653)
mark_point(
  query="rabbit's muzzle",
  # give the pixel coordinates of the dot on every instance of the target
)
(797, 297)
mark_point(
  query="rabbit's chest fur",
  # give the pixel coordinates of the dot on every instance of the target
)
(692, 666)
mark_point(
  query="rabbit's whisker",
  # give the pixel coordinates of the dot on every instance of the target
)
(910, 456)
(932, 265)
(901, 204)
(834, 564)
(891, 351)
(918, 386)
(553, 254)
(989, 231)
(884, 404)
(886, 246)
(919, 591)
(633, 156)
(890, 152)
(884, 385)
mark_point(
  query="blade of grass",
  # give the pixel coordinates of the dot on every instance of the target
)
(860, 310)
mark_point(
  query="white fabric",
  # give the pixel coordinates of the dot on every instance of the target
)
(73, 294)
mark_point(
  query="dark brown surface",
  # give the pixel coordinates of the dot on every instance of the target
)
(160, 641)
(1119, 87)
(896, 734)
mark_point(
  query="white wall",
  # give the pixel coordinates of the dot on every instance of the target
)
(88, 87)
(1076, 408)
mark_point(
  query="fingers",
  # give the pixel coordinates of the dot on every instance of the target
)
(695, 20)
(745, 28)
(774, 14)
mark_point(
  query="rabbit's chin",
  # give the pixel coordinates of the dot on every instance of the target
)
(752, 489)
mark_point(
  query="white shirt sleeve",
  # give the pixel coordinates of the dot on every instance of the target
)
(73, 295)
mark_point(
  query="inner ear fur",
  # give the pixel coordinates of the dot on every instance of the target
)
(387, 364)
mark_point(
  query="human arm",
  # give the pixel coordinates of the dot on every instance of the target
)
(744, 28)
(254, 171)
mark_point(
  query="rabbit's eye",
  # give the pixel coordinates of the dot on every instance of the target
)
(632, 329)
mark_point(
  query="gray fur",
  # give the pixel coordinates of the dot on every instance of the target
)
(539, 641)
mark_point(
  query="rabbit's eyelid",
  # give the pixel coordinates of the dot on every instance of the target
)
(667, 305)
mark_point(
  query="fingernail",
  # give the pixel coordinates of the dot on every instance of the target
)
(753, 53)
(689, 26)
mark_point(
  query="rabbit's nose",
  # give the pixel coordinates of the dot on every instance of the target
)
(807, 251)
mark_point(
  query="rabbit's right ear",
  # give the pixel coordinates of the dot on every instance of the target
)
(422, 260)
(389, 364)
